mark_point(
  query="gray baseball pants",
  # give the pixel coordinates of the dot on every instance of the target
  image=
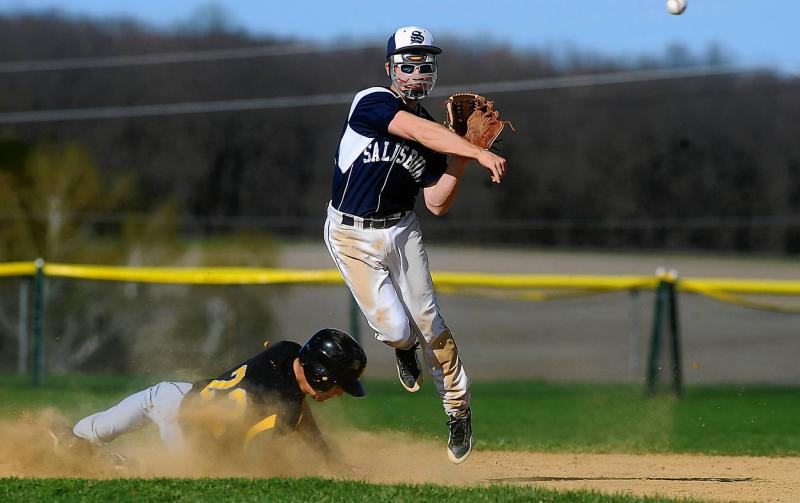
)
(159, 404)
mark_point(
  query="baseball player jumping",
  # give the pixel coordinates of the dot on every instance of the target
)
(262, 395)
(390, 147)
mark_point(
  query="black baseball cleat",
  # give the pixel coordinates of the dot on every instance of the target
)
(459, 442)
(408, 368)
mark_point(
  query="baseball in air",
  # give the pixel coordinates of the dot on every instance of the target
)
(676, 6)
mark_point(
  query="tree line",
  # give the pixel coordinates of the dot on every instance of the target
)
(703, 163)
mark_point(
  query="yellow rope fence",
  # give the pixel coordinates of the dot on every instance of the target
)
(531, 287)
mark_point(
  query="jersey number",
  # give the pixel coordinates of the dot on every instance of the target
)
(239, 397)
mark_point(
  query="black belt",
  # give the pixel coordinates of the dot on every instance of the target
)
(373, 223)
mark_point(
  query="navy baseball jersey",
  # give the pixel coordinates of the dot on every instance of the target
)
(377, 174)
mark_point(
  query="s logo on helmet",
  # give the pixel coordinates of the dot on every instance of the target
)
(416, 37)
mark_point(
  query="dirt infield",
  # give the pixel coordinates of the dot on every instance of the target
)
(26, 450)
(712, 478)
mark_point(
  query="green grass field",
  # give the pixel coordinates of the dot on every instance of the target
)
(751, 420)
(518, 415)
(288, 490)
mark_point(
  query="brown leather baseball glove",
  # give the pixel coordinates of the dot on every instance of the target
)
(472, 116)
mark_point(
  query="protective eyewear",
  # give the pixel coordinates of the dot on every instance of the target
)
(409, 68)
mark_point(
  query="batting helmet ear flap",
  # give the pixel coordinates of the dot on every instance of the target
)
(331, 357)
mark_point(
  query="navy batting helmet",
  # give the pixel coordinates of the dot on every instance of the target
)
(332, 357)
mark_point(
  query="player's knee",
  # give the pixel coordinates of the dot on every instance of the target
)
(397, 335)
(393, 339)
(84, 430)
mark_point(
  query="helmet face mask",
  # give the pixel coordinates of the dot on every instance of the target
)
(413, 73)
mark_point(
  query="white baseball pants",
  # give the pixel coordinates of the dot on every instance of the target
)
(387, 272)
(159, 403)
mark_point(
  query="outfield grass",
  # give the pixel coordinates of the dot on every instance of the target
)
(752, 420)
(285, 490)
(518, 415)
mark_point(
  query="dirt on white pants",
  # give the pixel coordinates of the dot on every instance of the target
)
(387, 272)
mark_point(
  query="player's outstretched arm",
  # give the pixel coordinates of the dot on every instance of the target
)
(439, 138)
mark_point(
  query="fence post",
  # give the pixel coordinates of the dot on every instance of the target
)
(355, 326)
(38, 323)
(23, 326)
(633, 337)
(666, 305)
(675, 345)
(655, 338)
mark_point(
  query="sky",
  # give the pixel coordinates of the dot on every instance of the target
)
(753, 32)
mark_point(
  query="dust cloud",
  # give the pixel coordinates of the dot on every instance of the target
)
(27, 449)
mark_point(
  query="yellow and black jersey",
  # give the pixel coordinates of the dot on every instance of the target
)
(256, 396)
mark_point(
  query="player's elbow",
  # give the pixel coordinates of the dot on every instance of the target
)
(437, 210)
(438, 201)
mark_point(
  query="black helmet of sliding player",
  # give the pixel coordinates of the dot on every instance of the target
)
(332, 357)
(411, 62)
